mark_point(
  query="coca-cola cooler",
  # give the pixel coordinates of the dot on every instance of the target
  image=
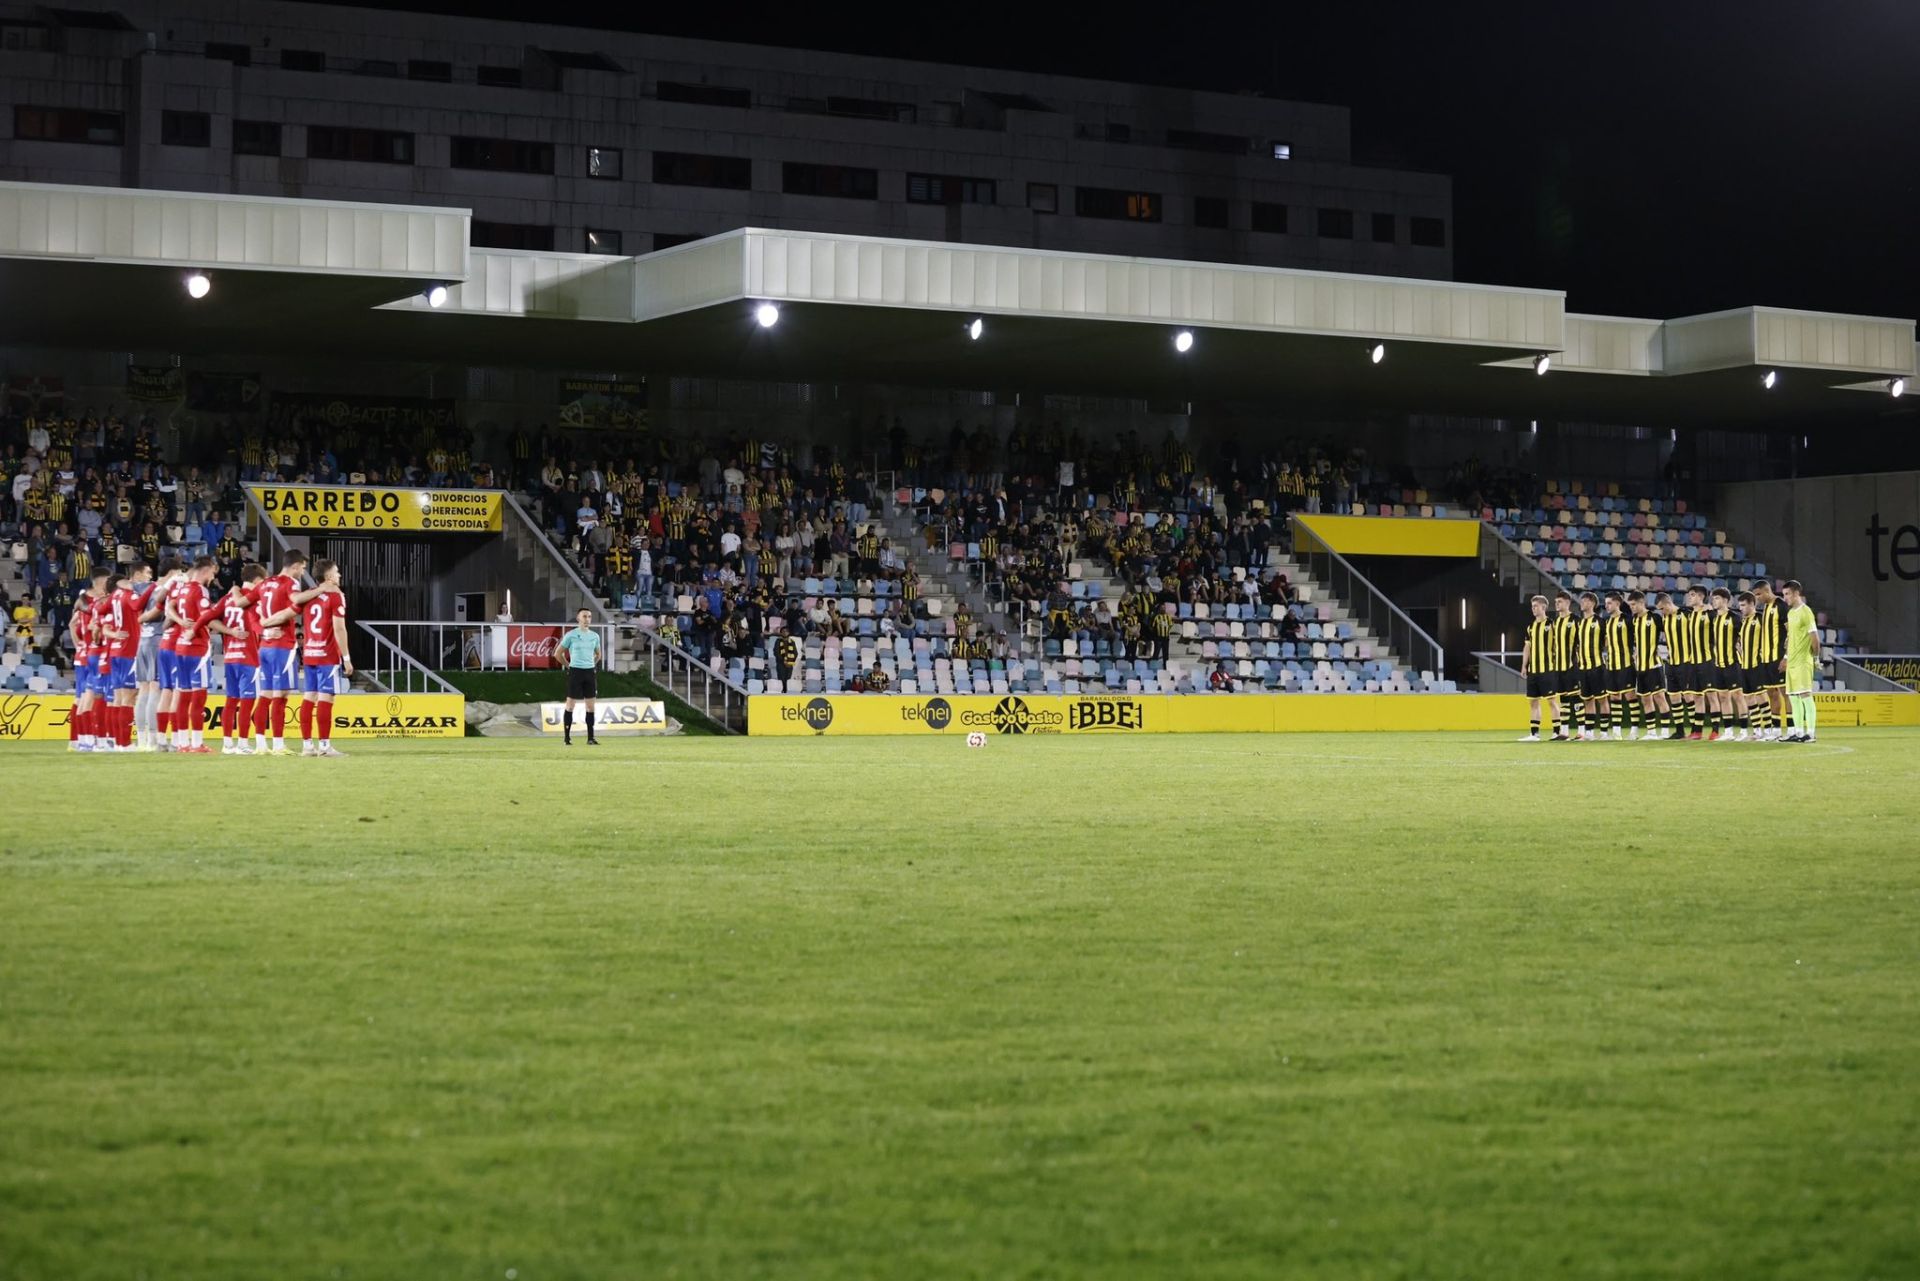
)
(524, 646)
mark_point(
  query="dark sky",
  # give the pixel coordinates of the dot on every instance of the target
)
(1652, 159)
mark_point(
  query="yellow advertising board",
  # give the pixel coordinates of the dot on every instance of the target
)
(43, 717)
(1122, 714)
(378, 509)
(1903, 669)
(1396, 535)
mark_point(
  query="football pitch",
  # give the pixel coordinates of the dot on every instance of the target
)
(1342, 1006)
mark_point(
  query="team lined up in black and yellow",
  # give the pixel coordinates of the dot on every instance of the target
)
(1635, 666)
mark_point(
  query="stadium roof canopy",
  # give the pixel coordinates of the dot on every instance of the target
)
(103, 268)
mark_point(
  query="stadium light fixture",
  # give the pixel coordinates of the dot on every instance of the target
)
(1377, 352)
(975, 328)
(198, 286)
(1898, 387)
(1770, 379)
(767, 314)
(437, 296)
(1542, 363)
(1183, 341)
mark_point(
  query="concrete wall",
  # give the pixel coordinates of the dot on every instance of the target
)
(1853, 540)
(967, 122)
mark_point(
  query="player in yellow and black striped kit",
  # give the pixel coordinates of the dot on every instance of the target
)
(1543, 667)
(1649, 676)
(1588, 668)
(1619, 702)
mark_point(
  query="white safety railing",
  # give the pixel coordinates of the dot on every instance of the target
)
(1497, 675)
(1406, 638)
(393, 670)
(682, 674)
(532, 527)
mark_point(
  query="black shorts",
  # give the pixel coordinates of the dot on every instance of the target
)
(582, 682)
(1593, 683)
(1651, 681)
(1724, 677)
(1620, 680)
(1753, 679)
(1543, 684)
(1683, 678)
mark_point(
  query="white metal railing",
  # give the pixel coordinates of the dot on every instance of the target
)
(393, 670)
(1509, 564)
(682, 674)
(269, 542)
(1406, 638)
(532, 526)
(1497, 675)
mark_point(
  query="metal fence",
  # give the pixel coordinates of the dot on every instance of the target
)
(1406, 638)
(1513, 567)
(1497, 675)
(694, 683)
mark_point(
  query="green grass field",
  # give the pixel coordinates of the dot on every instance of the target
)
(1300, 1006)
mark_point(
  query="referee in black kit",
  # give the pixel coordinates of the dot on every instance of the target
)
(582, 649)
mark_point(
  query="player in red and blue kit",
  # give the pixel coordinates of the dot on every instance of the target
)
(84, 722)
(277, 604)
(239, 625)
(122, 633)
(323, 653)
(171, 717)
(190, 611)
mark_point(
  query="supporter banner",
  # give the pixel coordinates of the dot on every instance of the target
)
(223, 393)
(1120, 715)
(1396, 535)
(1903, 668)
(30, 396)
(366, 507)
(366, 411)
(155, 382)
(618, 404)
(531, 647)
(43, 717)
(610, 716)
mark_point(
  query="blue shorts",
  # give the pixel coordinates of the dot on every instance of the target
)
(164, 669)
(241, 680)
(122, 677)
(189, 671)
(82, 679)
(322, 680)
(276, 670)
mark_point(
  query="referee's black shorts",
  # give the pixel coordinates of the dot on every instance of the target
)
(582, 682)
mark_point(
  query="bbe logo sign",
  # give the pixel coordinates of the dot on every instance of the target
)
(815, 713)
(936, 713)
(1105, 714)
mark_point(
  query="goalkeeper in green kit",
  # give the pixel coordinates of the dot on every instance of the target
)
(1803, 652)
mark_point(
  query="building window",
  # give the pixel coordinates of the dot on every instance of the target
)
(1107, 202)
(420, 69)
(382, 67)
(870, 108)
(845, 181)
(1383, 228)
(1282, 150)
(379, 146)
(1428, 233)
(1226, 144)
(238, 54)
(68, 124)
(1043, 197)
(702, 95)
(499, 77)
(603, 162)
(510, 235)
(945, 189)
(503, 155)
(256, 138)
(185, 128)
(24, 37)
(602, 242)
(1333, 224)
(685, 169)
(302, 60)
(668, 239)
(1209, 211)
(1269, 217)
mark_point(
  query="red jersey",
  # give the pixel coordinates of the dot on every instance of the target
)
(236, 611)
(192, 603)
(123, 616)
(82, 629)
(316, 619)
(171, 632)
(274, 595)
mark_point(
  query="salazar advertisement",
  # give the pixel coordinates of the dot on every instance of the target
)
(35, 718)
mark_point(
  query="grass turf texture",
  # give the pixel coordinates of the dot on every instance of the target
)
(1331, 1006)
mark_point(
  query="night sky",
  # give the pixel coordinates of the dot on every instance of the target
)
(1650, 159)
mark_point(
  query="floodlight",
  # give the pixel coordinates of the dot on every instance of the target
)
(1377, 352)
(767, 314)
(437, 296)
(1898, 387)
(1768, 379)
(975, 328)
(1542, 363)
(1183, 341)
(198, 285)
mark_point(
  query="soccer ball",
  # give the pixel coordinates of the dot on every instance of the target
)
(976, 739)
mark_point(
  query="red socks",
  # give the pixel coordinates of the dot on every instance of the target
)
(164, 722)
(279, 715)
(123, 727)
(325, 713)
(262, 707)
(306, 720)
(236, 719)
